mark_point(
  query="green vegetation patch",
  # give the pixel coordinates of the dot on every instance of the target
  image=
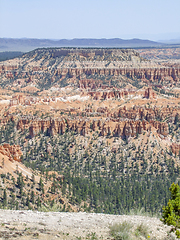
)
(9, 55)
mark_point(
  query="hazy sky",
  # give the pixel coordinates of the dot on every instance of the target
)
(57, 19)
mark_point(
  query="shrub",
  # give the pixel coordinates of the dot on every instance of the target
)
(121, 231)
(141, 230)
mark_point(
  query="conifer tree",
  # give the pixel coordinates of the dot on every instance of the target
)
(4, 198)
(171, 212)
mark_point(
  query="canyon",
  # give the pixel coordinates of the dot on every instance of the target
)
(76, 88)
(73, 118)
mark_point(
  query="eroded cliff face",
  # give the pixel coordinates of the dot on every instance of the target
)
(13, 152)
(122, 122)
(76, 64)
(175, 148)
(150, 74)
(109, 94)
(145, 113)
(145, 74)
(109, 127)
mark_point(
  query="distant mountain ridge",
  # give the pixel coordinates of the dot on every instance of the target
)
(27, 44)
(171, 41)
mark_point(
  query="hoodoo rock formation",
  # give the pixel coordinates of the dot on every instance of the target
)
(175, 148)
(105, 95)
(150, 74)
(149, 94)
(98, 91)
(148, 114)
(144, 74)
(114, 127)
(122, 122)
(13, 152)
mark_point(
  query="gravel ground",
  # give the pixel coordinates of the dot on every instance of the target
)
(63, 225)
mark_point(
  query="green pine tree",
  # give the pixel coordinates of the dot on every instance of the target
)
(4, 198)
(171, 212)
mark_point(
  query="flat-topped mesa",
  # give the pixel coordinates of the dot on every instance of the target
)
(83, 54)
(13, 152)
(90, 61)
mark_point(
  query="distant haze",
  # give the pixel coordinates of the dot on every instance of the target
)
(58, 19)
(27, 44)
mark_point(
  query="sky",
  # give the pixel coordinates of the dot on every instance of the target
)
(68, 19)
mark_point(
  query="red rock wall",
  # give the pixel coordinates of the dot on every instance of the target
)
(151, 74)
(115, 127)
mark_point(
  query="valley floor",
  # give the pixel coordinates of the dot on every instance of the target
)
(64, 225)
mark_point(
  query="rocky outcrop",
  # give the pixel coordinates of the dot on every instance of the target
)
(111, 126)
(122, 121)
(7, 67)
(175, 148)
(23, 124)
(109, 94)
(13, 152)
(149, 94)
(123, 129)
(88, 84)
(162, 127)
(49, 126)
(148, 114)
(18, 99)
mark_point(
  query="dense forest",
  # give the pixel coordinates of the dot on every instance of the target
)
(9, 55)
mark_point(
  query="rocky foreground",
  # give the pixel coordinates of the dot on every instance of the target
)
(65, 225)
